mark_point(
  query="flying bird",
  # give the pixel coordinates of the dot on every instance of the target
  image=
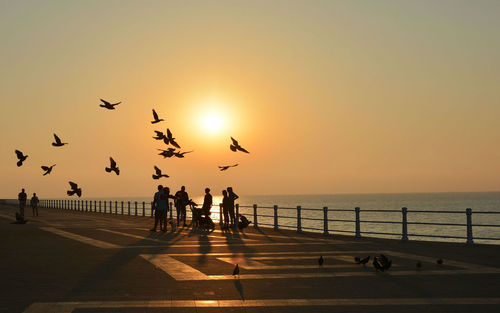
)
(321, 260)
(21, 157)
(107, 105)
(113, 167)
(159, 174)
(74, 189)
(155, 115)
(170, 139)
(235, 146)
(167, 153)
(236, 270)
(180, 154)
(58, 142)
(159, 135)
(225, 167)
(47, 169)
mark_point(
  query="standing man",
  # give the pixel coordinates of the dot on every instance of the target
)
(157, 204)
(166, 195)
(181, 200)
(34, 204)
(232, 196)
(22, 201)
(207, 205)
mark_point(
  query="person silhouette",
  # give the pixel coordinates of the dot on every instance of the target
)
(164, 198)
(22, 201)
(181, 200)
(158, 206)
(225, 208)
(232, 196)
(207, 205)
(34, 204)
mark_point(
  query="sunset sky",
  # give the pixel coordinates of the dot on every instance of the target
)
(328, 96)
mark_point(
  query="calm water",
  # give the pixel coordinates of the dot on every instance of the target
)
(479, 202)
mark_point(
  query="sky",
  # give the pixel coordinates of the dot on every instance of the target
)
(328, 96)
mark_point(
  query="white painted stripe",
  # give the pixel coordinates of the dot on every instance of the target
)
(68, 307)
(87, 240)
(251, 264)
(174, 268)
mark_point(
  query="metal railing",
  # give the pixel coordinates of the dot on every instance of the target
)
(300, 218)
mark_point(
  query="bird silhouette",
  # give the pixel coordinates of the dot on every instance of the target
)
(47, 169)
(225, 167)
(236, 271)
(159, 135)
(363, 261)
(235, 146)
(321, 260)
(107, 105)
(113, 167)
(180, 154)
(157, 120)
(169, 139)
(21, 157)
(167, 153)
(381, 263)
(58, 142)
(158, 174)
(439, 261)
(74, 189)
(418, 265)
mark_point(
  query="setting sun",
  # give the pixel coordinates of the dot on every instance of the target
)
(212, 122)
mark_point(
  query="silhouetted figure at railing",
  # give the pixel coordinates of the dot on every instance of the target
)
(113, 167)
(232, 197)
(58, 142)
(34, 204)
(22, 197)
(166, 195)
(225, 209)
(243, 222)
(47, 169)
(74, 189)
(21, 157)
(236, 147)
(107, 105)
(159, 206)
(158, 174)
(181, 201)
(225, 167)
(155, 116)
(207, 205)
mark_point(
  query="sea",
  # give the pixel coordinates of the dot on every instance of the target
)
(380, 214)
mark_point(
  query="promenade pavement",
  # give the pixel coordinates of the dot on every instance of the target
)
(68, 261)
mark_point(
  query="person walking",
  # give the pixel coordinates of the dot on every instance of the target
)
(22, 196)
(34, 204)
(225, 208)
(158, 207)
(232, 197)
(181, 201)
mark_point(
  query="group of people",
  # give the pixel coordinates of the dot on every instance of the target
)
(23, 197)
(201, 216)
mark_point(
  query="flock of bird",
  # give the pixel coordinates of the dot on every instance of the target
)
(167, 138)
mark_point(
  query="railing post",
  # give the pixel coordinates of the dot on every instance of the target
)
(325, 220)
(110, 207)
(404, 236)
(122, 206)
(116, 207)
(220, 214)
(237, 217)
(143, 208)
(86, 205)
(358, 223)
(255, 222)
(128, 204)
(95, 205)
(105, 206)
(275, 217)
(100, 206)
(135, 204)
(468, 213)
(152, 204)
(171, 205)
(299, 219)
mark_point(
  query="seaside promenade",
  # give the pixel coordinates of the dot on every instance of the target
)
(74, 261)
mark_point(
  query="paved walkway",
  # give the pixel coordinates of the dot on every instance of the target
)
(67, 261)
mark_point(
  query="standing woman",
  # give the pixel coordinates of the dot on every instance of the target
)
(225, 208)
(232, 196)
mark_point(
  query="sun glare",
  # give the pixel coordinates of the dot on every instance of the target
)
(212, 122)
